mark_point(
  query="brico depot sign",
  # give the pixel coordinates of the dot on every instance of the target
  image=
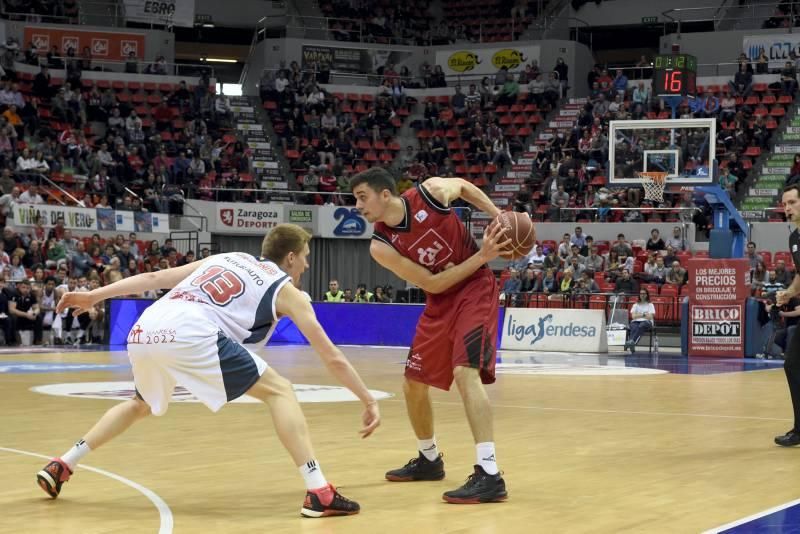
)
(105, 45)
(717, 292)
(716, 330)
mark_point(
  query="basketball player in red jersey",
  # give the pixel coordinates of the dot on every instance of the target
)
(421, 239)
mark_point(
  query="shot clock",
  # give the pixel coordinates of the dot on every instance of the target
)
(675, 75)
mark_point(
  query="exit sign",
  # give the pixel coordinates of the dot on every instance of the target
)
(649, 20)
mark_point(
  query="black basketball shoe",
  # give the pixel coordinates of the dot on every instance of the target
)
(419, 468)
(338, 505)
(52, 477)
(790, 439)
(479, 487)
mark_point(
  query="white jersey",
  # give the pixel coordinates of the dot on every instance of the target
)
(237, 292)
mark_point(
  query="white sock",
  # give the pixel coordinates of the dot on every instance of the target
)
(428, 448)
(75, 454)
(312, 475)
(486, 457)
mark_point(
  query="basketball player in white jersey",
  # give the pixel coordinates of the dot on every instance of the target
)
(195, 336)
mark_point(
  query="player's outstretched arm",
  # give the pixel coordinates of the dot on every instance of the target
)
(291, 302)
(446, 190)
(494, 242)
(166, 279)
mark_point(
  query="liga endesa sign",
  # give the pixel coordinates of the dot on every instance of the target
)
(104, 45)
(717, 292)
(549, 329)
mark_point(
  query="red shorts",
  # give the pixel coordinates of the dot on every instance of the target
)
(456, 329)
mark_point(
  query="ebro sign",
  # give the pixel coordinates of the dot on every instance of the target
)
(165, 9)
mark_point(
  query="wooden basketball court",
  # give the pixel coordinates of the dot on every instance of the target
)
(581, 451)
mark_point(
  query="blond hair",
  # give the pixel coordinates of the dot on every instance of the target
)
(282, 240)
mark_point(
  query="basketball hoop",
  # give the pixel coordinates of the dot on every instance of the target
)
(653, 184)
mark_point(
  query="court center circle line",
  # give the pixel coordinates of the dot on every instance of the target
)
(164, 513)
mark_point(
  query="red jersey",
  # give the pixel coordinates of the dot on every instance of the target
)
(430, 234)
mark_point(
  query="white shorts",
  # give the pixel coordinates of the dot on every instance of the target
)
(175, 343)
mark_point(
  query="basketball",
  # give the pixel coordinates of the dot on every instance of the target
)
(519, 228)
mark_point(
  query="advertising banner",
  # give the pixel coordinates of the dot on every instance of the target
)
(550, 329)
(718, 281)
(303, 217)
(777, 46)
(90, 219)
(717, 330)
(341, 222)
(717, 291)
(240, 218)
(166, 12)
(104, 45)
(351, 59)
(486, 60)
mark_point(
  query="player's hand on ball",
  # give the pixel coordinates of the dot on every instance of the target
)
(82, 302)
(495, 242)
(781, 298)
(371, 418)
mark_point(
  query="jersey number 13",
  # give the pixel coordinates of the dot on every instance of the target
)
(220, 284)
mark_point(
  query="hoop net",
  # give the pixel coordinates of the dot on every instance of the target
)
(654, 184)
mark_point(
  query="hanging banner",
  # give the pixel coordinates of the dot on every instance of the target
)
(487, 60)
(166, 12)
(104, 45)
(240, 218)
(778, 47)
(356, 60)
(717, 292)
(89, 219)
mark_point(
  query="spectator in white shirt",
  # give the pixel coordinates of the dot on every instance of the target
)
(677, 241)
(31, 196)
(222, 106)
(642, 315)
(133, 121)
(26, 163)
(40, 164)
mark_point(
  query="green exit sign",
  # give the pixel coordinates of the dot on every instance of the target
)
(649, 20)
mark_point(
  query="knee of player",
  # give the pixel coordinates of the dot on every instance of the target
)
(413, 387)
(271, 384)
(143, 409)
(465, 375)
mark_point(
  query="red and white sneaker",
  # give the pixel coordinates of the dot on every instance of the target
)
(53, 476)
(337, 504)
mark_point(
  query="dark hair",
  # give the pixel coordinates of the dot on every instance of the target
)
(50, 279)
(376, 179)
(646, 291)
(794, 187)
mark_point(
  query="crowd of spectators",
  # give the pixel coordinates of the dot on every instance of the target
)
(113, 146)
(407, 23)
(578, 265)
(37, 267)
(54, 11)
(411, 23)
(378, 294)
(327, 137)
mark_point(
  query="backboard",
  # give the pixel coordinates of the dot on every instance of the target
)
(683, 148)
